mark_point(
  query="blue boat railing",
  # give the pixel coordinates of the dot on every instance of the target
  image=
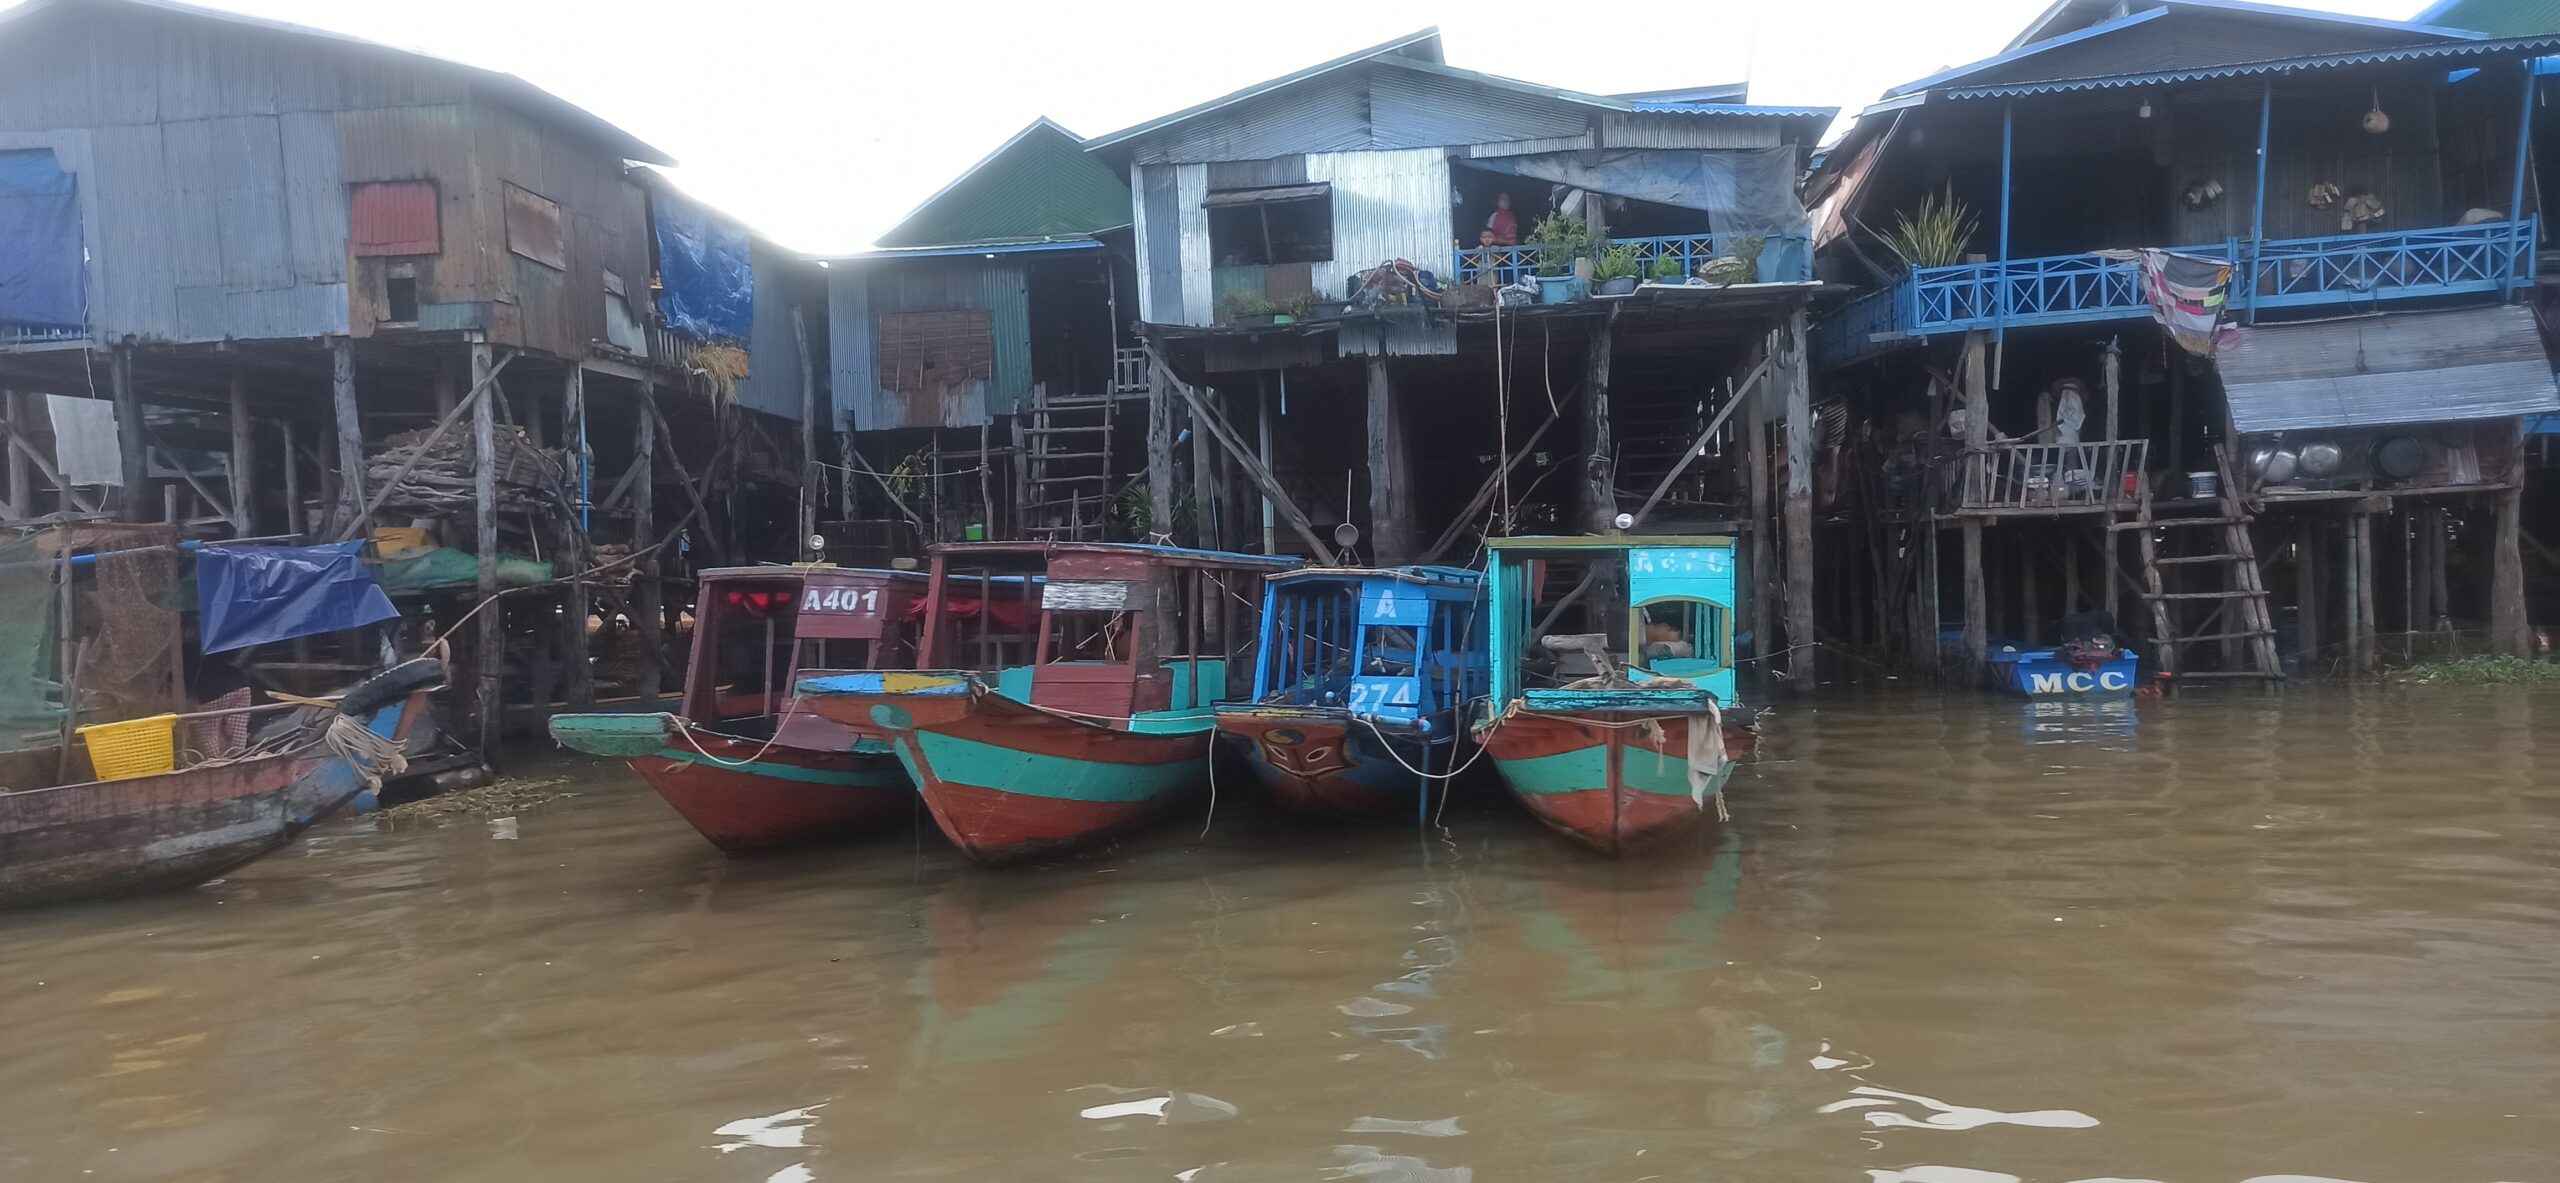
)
(2344, 269)
(1513, 263)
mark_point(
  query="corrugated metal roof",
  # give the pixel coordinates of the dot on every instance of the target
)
(2419, 367)
(1000, 247)
(2496, 18)
(1750, 109)
(1037, 184)
(506, 87)
(2508, 47)
(2066, 15)
(1423, 42)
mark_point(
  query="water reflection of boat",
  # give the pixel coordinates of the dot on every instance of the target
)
(742, 759)
(1610, 751)
(1106, 728)
(2064, 719)
(1358, 686)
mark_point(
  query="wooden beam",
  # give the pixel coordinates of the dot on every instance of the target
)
(490, 633)
(21, 474)
(1281, 502)
(2509, 632)
(479, 393)
(1750, 386)
(1789, 373)
(811, 489)
(666, 443)
(350, 423)
(1977, 434)
(1599, 459)
(294, 522)
(1391, 510)
(577, 554)
(1486, 492)
(1758, 617)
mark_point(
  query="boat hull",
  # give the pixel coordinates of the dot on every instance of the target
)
(1612, 788)
(744, 795)
(173, 830)
(1007, 782)
(1322, 762)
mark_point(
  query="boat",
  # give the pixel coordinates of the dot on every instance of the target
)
(181, 827)
(1360, 686)
(742, 758)
(1096, 721)
(2090, 663)
(1619, 735)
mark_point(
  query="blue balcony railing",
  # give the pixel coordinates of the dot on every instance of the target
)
(1513, 263)
(24, 337)
(2346, 269)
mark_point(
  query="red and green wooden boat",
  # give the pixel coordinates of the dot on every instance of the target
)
(1617, 748)
(1359, 687)
(744, 760)
(1094, 723)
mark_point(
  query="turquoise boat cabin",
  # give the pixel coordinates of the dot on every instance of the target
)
(1602, 623)
(1401, 646)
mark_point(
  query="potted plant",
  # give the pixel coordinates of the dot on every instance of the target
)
(1617, 270)
(1934, 235)
(1250, 308)
(1668, 269)
(1560, 239)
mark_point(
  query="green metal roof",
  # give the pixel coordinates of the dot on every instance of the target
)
(2497, 18)
(1039, 184)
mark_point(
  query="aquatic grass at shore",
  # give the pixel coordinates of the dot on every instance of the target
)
(2478, 671)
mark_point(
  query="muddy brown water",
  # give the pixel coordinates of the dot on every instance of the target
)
(1948, 940)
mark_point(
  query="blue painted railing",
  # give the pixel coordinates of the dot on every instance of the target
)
(2346, 269)
(17, 336)
(1513, 263)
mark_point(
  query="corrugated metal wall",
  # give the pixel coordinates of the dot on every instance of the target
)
(773, 346)
(860, 293)
(1387, 205)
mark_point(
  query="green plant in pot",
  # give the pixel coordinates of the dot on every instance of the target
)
(1668, 269)
(1560, 239)
(1246, 307)
(1936, 234)
(1618, 270)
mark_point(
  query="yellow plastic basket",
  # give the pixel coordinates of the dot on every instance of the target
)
(134, 747)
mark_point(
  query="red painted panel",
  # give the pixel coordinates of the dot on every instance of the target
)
(1107, 691)
(394, 218)
(1090, 565)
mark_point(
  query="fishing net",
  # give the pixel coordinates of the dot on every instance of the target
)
(30, 695)
(128, 662)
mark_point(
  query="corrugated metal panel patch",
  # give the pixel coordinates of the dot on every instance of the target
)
(2422, 367)
(395, 218)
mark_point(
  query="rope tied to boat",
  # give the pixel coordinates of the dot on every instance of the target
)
(684, 729)
(375, 758)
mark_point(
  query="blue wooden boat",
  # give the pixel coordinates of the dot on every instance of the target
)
(1361, 686)
(1619, 727)
(2062, 673)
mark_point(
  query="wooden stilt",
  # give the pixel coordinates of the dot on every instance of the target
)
(2359, 590)
(295, 520)
(1204, 482)
(1761, 581)
(350, 424)
(1789, 371)
(447, 385)
(489, 632)
(575, 556)
(1599, 480)
(1160, 452)
(1391, 510)
(2030, 613)
(647, 598)
(2306, 588)
(134, 502)
(2509, 631)
(1977, 403)
(2439, 577)
(22, 499)
(244, 444)
(811, 421)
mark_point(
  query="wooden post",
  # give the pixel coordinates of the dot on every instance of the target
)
(812, 489)
(647, 605)
(2439, 580)
(1792, 376)
(22, 474)
(484, 505)
(1763, 576)
(294, 523)
(2357, 577)
(1159, 451)
(1204, 483)
(448, 387)
(342, 390)
(1977, 436)
(2306, 588)
(1599, 481)
(133, 502)
(2509, 632)
(576, 554)
(1391, 472)
(244, 454)
(2110, 379)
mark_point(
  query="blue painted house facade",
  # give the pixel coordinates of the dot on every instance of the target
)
(2351, 200)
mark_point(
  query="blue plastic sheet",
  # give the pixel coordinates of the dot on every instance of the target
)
(40, 262)
(706, 269)
(253, 595)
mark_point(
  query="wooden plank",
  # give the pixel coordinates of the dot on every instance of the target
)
(350, 425)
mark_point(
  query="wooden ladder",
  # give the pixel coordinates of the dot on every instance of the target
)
(2241, 621)
(1068, 450)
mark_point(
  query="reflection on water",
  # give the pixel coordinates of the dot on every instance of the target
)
(1944, 941)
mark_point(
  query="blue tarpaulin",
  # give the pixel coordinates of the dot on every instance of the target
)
(708, 278)
(39, 242)
(1742, 191)
(253, 595)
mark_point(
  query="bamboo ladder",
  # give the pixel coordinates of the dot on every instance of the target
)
(1069, 447)
(2246, 627)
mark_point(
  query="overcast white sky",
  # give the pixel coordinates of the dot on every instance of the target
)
(821, 122)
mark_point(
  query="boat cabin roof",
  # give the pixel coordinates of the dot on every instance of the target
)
(1536, 542)
(1453, 577)
(1160, 556)
(799, 571)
